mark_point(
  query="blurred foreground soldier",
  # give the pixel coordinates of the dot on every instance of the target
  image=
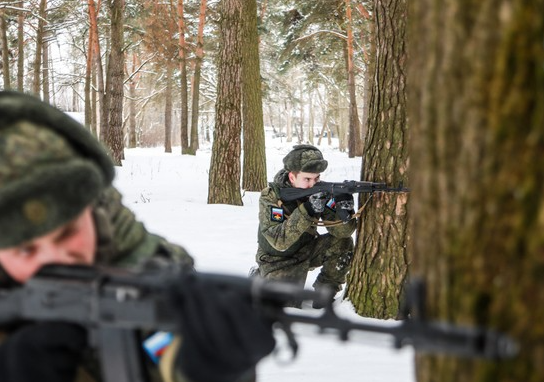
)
(57, 205)
(289, 243)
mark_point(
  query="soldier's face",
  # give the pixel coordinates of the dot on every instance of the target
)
(73, 243)
(303, 179)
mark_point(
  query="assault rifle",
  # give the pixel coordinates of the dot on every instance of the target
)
(116, 304)
(332, 189)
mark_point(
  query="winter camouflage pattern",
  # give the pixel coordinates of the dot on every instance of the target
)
(51, 169)
(123, 241)
(44, 182)
(306, 158)
(290, 245)
(25, 144)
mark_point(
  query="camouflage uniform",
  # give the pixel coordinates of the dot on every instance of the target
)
(290, 245)
(51, 168)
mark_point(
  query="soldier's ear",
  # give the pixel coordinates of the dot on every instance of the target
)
(292, 177)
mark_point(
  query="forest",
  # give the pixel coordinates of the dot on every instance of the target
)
(443, 96)
(167, 54)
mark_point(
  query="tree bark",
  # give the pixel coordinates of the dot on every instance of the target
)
(184, 115)
(355, 140)
(224, 178)
(199, 56)
(39, 48)
(5, 49)
(20, 47)
(254, 174)
(168, 111)
(114, 135)
(477, 117)
(132, 84)
(380, 264)
(45, 66)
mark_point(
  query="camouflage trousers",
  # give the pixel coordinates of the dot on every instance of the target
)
(332, 254)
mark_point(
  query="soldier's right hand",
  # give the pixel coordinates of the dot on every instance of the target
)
(315, 205)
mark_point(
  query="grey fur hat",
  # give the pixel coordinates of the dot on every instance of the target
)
(305, 158)
(51, 168)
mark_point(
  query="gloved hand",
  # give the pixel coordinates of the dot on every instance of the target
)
(344, 205)
(344, 202)
(47, 351)
(315, 205)
(223, 336)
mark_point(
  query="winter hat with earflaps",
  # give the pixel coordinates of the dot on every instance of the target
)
(305, 158)
(51, 168)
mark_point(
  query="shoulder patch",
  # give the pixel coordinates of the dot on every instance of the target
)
(331, 204)
(276, 214)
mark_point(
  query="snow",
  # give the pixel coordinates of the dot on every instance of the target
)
(168, 192)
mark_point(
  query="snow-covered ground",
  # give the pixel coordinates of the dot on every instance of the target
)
(168, 192)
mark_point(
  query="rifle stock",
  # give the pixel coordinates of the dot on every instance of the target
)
(117, 303)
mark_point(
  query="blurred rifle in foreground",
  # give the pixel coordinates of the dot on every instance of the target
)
(118, 303)
(332, 189)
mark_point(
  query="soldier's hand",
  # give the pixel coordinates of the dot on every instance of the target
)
(344, 202)
(315, 205)
(223, 336)
(47, 351)
(344, 206)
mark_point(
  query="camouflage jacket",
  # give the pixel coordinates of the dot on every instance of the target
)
(285, 228)
(121, 241)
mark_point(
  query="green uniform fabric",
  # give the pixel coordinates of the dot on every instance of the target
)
(290, 245)
(51, 169)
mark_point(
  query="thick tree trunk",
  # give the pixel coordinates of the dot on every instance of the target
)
(254, 174)
(380, 264)
(224, 178)
(114, 136)
(477, 170)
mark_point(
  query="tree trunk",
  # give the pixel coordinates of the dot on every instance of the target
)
(45, 65)
(355, 142)
(224, 178)
(39, 48)
(20, 47)
(477, 169)
(168, 111)
(114, 136)
(370, 58)
(5, 49)
(103, 100)
(254, 175)
(311, 131)
(132, 83)
(380, 264)
(88, 79)
(288, 121)
(184, 116)
(199, 56)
